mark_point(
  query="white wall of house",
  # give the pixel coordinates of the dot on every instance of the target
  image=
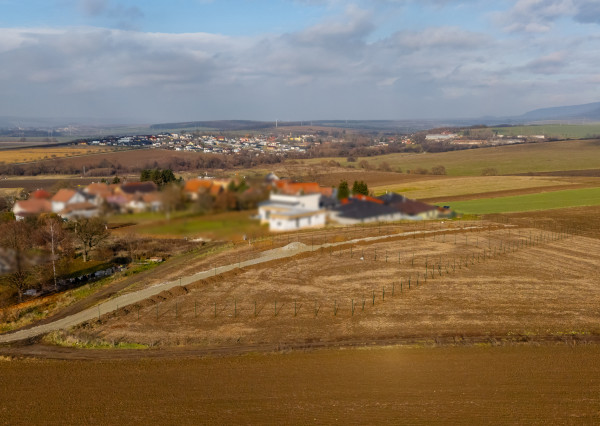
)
(59, 206)
(84, 213)
(306, 202)
(281, 223)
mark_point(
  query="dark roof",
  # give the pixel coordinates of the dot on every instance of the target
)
(138, 187)
(413, 207)
(405, 205)
(392, 197)
(328, 202)
(358, 209)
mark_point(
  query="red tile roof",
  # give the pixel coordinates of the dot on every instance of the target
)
(194, 185)
(41, 194)
(34, 206)
(294, 188)
(63, 195)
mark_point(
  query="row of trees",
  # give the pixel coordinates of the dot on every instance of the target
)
(160, 177)
(358, 188)
(39, 250)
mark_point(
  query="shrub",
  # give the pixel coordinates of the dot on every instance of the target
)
(438, 170)
(489, 171)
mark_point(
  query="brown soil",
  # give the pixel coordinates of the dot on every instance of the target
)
(373, 178)
(450, 385)
(583, 221)
(586, 173)
(530, 292)
(47, 184)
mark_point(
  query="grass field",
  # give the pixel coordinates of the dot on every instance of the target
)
(530, 202)
(512, 159)
(28, 155)
(230, 225)
(563, 131)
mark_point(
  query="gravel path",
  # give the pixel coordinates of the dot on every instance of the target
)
(290, 250)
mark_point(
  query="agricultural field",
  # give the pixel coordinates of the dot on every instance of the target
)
(464, 385)
(478, 186)
(507, 160)
(562, 131)
(30, 142)
(228, 226)
(47, 182)
(530, 202)
(491, 318)
(465, 282)
(29, 155)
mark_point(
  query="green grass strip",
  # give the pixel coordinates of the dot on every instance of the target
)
(524, 203)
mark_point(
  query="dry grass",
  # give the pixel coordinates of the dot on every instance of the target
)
(476, 186)
(545, 290)
(29, 155)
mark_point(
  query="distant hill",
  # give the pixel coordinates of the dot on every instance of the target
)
(585, 112)
(224, 125)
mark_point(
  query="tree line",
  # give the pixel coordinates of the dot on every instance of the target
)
(37, 251)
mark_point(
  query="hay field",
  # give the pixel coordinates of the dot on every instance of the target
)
(496, 283)
(29, 155)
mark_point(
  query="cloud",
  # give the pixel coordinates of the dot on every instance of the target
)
(588, 12)
(538, 16)
(94, 7)
(553, 63)
(447, 38)
(124, 17)
(340, 67)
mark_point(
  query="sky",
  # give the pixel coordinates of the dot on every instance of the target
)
(151, 61)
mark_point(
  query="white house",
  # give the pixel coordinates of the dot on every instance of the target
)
(65, 197)
(292, 212)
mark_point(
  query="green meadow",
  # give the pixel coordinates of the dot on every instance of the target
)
(531, 202)
(563, 131)
(506, 160)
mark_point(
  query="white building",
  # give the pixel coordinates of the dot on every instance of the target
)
(292, 212)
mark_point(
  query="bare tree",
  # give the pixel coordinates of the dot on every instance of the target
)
(54, 236)
(172, 199)
(89, 233)
(15, 238)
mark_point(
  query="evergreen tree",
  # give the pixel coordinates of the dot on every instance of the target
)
(360, 188)
(343, 190)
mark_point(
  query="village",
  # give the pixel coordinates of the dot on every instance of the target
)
(290, 205)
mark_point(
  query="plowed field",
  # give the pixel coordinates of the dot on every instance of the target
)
(451, 385)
